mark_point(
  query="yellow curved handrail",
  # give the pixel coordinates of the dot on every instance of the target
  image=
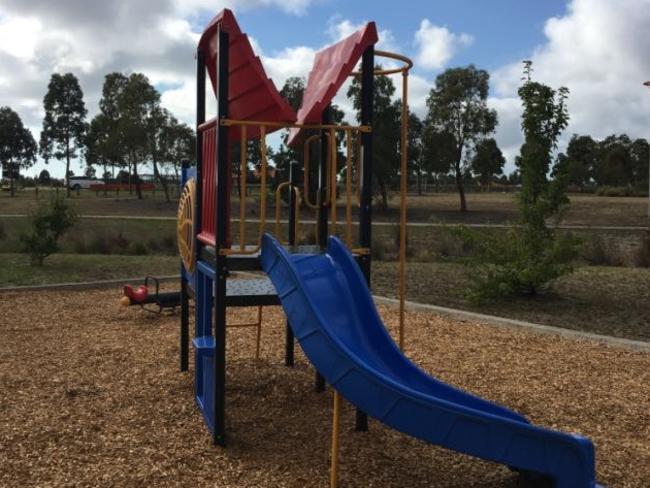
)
(296, 191)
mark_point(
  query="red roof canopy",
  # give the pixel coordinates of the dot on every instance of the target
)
(251, 94)
(331, 68)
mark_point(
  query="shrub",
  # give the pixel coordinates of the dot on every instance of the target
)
(138, 248)
(641, 255)
(599, 251)
(3, 233)
(49, 222)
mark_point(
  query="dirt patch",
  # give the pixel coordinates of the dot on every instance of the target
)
(92, 396)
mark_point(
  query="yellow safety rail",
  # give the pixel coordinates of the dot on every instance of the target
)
(296, 192)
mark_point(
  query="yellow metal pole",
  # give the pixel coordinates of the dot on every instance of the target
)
(263, 183)
(243, 169)
(403, 188)
(334, 461)
(348, 189)
(333, 168)
(259, 332)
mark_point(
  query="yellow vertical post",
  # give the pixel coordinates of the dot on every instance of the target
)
(348, 188)
(403, 188)
(333, 168)
(243, 169)
(334, 461)
(259, 332)
(264, 162)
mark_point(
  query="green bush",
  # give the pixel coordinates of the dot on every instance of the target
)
(599, 251)
(614, 191)
(641, 256)
(517, 262)
(49, 222)
(138, 248)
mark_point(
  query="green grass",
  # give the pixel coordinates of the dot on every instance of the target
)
(15, 269)
(605, 300)
(484, 208)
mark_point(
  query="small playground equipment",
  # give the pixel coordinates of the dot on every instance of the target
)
(147, 298)
(324, 288)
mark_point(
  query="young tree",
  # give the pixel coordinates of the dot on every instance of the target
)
(63, 125)
(49, 222)
(17, 145)
(488, 161)
(458, 107)
(386, 133)
(527, 258)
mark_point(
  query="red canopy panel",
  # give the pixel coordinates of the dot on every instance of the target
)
(331, 68)
(251, 94)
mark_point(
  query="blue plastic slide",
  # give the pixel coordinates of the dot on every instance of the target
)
(331, 311)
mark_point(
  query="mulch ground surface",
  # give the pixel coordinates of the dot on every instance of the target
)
(91, 395)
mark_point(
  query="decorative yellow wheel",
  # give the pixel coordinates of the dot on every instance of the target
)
(185, 226)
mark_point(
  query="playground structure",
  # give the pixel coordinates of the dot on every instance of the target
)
(324, 287)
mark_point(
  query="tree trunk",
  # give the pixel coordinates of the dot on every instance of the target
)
(138, 189)
(67, 168)
(460, 184)
(163, 182)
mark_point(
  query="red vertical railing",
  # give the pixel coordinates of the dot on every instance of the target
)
(208, 216)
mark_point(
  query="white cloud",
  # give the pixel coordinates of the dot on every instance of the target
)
(437, 45)
(338, 29)
(599, 50)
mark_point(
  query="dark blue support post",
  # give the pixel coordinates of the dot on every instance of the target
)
(222, 217)
(323, 180)
(200, 118)
(293, 203)
(365, 210)
(185, 305)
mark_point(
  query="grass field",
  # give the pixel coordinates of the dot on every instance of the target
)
(15, 269)
(603, 300)
(495, 208)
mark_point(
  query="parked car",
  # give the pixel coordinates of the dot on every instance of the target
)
(82, 182)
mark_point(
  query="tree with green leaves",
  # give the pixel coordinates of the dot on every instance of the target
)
(17, 145)
(438, 152)
(488, 161)
(64, 123)
(127, 105)
(581, 153)
(458, 108)
(524, 260)
(386, 133)
(49, 222)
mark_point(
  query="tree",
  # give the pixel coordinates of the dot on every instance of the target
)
(17, 145)
(640, 151)
(158, 132)
(44, 177)
(386, 133)
(524, 260)
(49, 222)
(581, 162)
(458, 107)
(488, 161)
(127, 106)
(63, 125)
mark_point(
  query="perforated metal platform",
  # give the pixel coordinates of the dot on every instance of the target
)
(248, 292)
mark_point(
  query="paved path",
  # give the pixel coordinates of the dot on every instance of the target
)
(635, 228)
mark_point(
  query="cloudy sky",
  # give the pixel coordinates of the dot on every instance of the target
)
(599, 49)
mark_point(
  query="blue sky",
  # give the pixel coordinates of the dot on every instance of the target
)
(597, 48)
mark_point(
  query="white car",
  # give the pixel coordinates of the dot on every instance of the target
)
(82, 182)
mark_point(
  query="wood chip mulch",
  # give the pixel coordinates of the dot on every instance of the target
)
(91, 395)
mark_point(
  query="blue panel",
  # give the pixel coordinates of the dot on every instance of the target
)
(331, 311)
(203, 342)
